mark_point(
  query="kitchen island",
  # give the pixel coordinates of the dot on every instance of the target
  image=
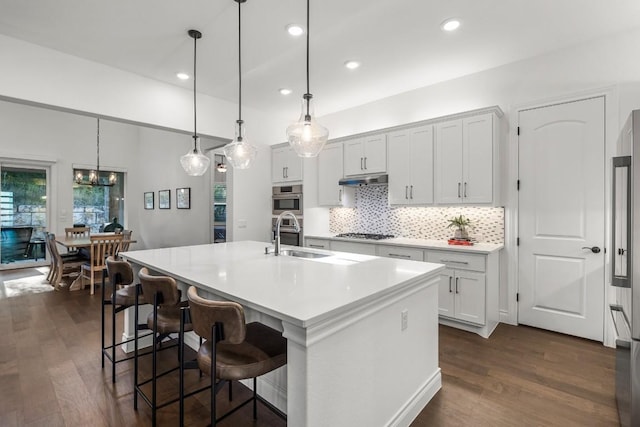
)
(362, 331)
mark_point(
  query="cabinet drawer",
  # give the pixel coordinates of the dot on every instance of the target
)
(401, 253)
(353, 247)
(317, 244)
(457, 260)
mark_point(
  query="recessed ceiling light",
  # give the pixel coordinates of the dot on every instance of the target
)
(352, 65)
(182, 76)
(295, 30)
(285, 91)
(450, 25)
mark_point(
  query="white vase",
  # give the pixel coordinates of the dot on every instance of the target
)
(461, 234)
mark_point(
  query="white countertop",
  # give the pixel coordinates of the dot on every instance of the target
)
(484, 248)
(298, 290)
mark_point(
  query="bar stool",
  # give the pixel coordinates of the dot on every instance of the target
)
(119, 273)
(237, 350)
(162, 292)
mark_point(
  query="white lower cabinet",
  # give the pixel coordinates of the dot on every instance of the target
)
(462, 295)
(468, 294)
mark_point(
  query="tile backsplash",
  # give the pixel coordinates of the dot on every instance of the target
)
(372, 214)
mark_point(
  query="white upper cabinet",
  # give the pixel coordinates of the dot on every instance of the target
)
(410, 166)
(464, 160)
(365, 155)
(286, 166)
(330, 171)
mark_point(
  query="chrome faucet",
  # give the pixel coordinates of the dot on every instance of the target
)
(296, 226)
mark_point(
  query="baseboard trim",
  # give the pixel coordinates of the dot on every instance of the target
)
(413, 407)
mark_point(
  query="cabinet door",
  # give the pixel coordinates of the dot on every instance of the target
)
(293, 166)
(329, 173)
(446, 294)
(375, 154)
(469, 289)
(399, 252)
(353, 157)
(421, 165)
(278, 159)
(398, 167)
(477, 160)
(449, 162)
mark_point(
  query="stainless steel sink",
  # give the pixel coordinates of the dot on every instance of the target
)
(302, 254)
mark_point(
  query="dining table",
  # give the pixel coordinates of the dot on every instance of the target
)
(74, 242)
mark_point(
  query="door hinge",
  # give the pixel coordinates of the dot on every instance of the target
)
(518, 297)
(518, 130)
(517, 241)
(518, 185)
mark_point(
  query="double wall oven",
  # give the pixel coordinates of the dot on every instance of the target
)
(287, 198)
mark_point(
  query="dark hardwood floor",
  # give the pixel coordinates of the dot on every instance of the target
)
(50, 374)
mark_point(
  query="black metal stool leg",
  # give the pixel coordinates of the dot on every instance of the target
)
(135, 349)
(113, 327)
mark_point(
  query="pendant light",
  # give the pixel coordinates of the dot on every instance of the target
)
(307, 136)
(94, 174)
(239, 152)
(194, 162)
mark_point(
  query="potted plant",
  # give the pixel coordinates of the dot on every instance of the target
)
(461, 223)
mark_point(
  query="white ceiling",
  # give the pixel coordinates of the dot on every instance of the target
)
(399, 42)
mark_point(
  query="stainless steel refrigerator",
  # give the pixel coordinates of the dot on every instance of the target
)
(625, 269)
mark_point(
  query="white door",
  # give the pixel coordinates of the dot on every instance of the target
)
(446, 293)
(562, 212)
(353, 157)
(329, 173)
(469, 288)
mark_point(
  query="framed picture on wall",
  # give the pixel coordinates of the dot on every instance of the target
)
(164, 199)
(149, 200)
(183, 198)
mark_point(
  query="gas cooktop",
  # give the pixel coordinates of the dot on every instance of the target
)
(368, 236)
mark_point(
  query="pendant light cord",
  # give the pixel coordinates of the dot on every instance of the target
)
(195, 116)
(239, 121)
(98, 149)
(307, 96)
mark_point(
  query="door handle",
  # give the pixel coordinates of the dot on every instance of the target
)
(458, 190)
(450, 278)
(621, 251)
(465, 190)
(411, 192)
(594, 249)
(365, 163)
(457, 285)
(406, 192)
(340, 195)
(361, 163)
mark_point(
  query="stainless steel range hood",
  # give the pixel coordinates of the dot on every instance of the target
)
(356, 181)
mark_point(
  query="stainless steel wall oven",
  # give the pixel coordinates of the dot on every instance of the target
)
(287, 198)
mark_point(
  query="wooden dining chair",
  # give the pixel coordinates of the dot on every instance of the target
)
(126, 240)
(61, 266)
(76, 232)
(101, 247)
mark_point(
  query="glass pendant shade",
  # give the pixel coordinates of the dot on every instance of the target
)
(240, 153)
(194, 162)
(306, 136)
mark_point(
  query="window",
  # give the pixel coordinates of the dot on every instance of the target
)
(96, 205)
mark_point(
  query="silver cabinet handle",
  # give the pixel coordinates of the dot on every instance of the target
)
(340, 195)
(450, 278)
(406, 190)
(400, 256)
(457, 285)
(465, 189)
(365, 163)
(317, 246)
(454, 261)
(458, 190)
(283, 173)
(361, 163)
(287, 170)
(411, 192)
